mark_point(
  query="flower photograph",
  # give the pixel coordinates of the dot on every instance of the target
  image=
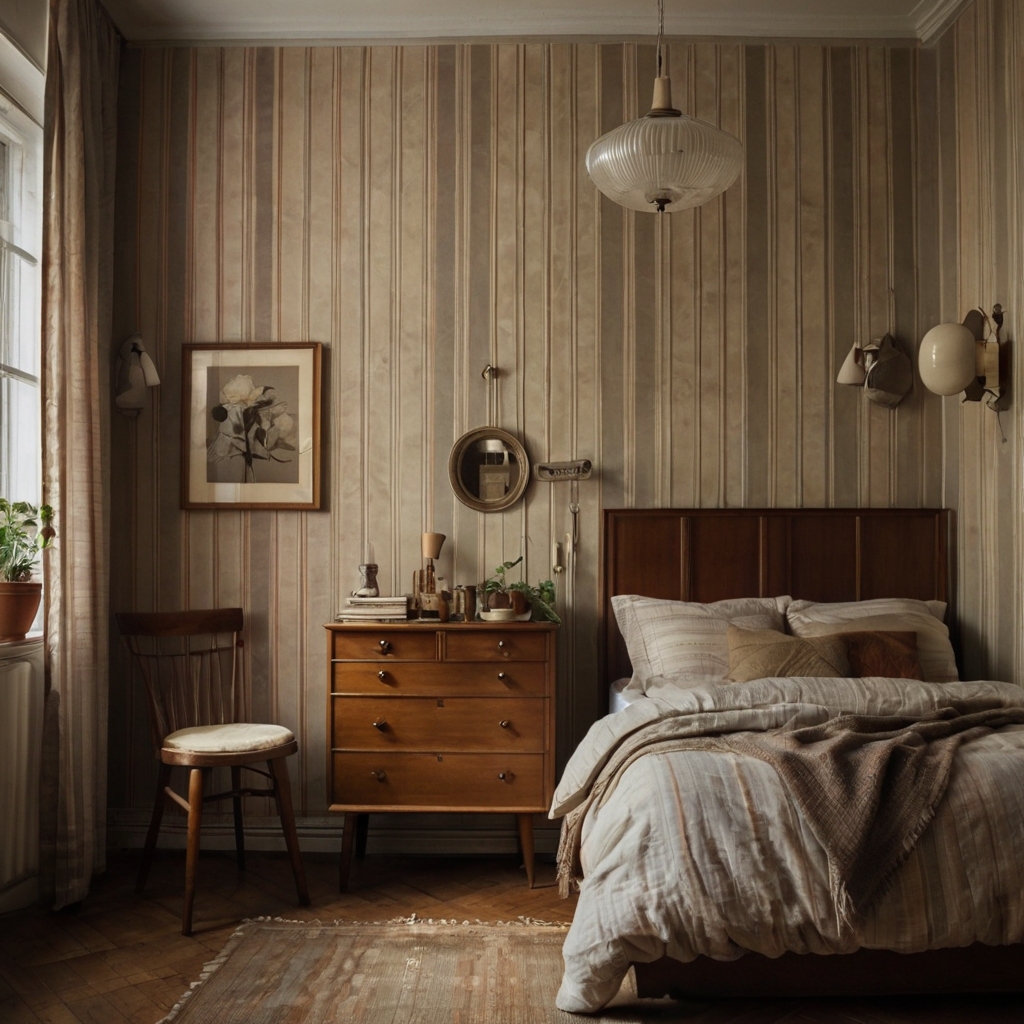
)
(251, 425)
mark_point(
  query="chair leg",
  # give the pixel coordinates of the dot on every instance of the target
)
(236, 800)
(348, 842)
(195, 821)
(283, 794)
(162, 782)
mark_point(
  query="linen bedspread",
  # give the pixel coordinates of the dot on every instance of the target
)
(704, 852)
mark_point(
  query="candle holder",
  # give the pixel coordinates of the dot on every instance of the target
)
(367, 581)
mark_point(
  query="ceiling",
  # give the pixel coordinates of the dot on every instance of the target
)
(212, 20)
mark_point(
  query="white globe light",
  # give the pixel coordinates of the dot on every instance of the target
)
(947, 359)
(664, 163)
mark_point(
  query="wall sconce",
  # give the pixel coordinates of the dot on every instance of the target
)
(881, 368)
(135, 373)
(960, 357)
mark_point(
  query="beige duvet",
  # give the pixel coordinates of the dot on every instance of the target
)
(703, 852)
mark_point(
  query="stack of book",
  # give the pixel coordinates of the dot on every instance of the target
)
(374, 609)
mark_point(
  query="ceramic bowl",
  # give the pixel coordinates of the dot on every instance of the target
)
(498, 615)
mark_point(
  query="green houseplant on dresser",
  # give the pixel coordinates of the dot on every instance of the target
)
(25, 530)
(520, 595)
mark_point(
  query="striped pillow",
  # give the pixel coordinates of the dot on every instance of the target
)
(688, 639)
(938, 662)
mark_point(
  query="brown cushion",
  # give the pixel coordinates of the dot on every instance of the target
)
(761, 653)
(889, 653)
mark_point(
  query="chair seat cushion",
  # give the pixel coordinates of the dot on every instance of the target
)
(236, 738)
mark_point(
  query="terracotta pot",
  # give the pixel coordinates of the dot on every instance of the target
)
(19, 603)
(520, 605)
(499, 599)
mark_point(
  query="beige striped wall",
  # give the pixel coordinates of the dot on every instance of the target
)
(980, 98)
(422, 211)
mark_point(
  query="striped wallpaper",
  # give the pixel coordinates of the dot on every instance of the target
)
(979, 97)
(423, 211)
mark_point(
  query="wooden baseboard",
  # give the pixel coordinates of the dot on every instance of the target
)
(392, 834)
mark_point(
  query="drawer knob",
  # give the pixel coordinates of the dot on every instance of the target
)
(504, 723)
(380, 775)
(385, 646)
(380, 723)
(382, 675)
(501, 644)
(506, 776)
(502, 677)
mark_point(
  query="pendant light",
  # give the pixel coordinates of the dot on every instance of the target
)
(665, 160)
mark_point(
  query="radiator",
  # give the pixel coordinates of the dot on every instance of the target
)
(21, 737)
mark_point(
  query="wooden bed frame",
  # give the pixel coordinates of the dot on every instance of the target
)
(819, 555)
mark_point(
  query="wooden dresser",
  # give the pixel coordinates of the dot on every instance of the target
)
(435, 716)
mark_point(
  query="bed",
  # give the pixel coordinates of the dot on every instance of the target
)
(639, 902)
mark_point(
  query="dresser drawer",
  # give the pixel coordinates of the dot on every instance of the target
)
(436, 725)
(495, 645)
(432, 678)
(394, 780)
(385, 645)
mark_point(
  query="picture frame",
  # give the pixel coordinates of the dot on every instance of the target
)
(250, 425)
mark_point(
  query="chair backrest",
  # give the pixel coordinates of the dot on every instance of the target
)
(191, 664)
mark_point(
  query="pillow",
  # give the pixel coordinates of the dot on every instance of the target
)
(683, 638)
(938, 663)
(842, 611)
(762, 653)
(888, 653)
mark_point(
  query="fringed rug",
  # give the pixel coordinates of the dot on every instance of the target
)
(286, 972)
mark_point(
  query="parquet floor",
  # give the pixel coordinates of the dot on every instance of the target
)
(120, 957)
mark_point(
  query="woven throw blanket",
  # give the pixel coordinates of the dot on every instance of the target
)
(868, 786)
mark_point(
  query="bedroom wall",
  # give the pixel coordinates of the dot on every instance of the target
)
(424, 210)
(980, 99)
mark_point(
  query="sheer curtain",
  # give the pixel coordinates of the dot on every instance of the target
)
(81, 108)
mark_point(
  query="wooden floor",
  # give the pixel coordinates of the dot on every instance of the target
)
(120, 957)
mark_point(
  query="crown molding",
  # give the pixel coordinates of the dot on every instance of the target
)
(215, 21)
(932, 17)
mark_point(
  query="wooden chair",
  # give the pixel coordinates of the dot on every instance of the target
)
(191, 664)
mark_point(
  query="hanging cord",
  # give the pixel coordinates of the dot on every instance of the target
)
(661, 31)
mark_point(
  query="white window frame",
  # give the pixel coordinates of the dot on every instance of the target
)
(21, 85)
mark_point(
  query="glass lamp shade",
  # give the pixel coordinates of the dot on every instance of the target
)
(670, 162)
(948, 359)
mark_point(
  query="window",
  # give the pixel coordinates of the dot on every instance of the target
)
(20, 280)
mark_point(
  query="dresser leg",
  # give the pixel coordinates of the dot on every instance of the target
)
(362, 825)
(348, 838)
(526, 842)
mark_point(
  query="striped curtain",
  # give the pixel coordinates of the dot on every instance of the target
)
(80, 135)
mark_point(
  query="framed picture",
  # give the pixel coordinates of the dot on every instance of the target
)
(250, 424)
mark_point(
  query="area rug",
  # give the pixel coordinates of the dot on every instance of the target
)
(281, 972)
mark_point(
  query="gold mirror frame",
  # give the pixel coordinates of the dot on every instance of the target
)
(460, 450)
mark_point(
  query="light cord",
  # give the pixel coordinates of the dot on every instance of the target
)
(661, 30)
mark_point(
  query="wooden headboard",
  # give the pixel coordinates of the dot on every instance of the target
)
(842, 554)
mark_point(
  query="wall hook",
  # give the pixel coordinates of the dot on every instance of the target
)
(489, 372)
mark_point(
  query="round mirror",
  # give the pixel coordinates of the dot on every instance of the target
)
(488, 469)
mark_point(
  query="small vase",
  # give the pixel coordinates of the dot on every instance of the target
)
(19, 603)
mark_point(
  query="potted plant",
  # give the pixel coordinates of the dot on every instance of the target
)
(24, 531)
(520, 595)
